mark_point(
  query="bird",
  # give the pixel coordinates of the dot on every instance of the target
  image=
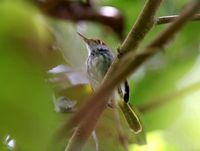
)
(100, 58)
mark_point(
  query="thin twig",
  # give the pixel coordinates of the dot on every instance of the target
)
(152, 104)
(168, 34)
(89, 113)
(169, 19)
(120, 132)
(94, 136)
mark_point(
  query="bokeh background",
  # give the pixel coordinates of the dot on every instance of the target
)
(42, 70)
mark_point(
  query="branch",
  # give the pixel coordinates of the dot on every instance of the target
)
(152, 104)
(77, 11)
(167, 34)
(142, 26)
(169, 19)
(89, 113)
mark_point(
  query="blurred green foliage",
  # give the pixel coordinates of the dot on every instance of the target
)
(26, 109)
(26, 100)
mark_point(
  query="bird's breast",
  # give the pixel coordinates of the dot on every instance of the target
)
(97, 66)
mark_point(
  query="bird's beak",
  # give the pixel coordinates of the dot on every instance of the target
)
(83, 37)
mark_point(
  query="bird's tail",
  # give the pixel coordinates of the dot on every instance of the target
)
(131, 116)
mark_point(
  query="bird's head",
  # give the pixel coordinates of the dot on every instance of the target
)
(93, 44)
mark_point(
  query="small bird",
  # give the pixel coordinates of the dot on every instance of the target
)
(98, 62)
